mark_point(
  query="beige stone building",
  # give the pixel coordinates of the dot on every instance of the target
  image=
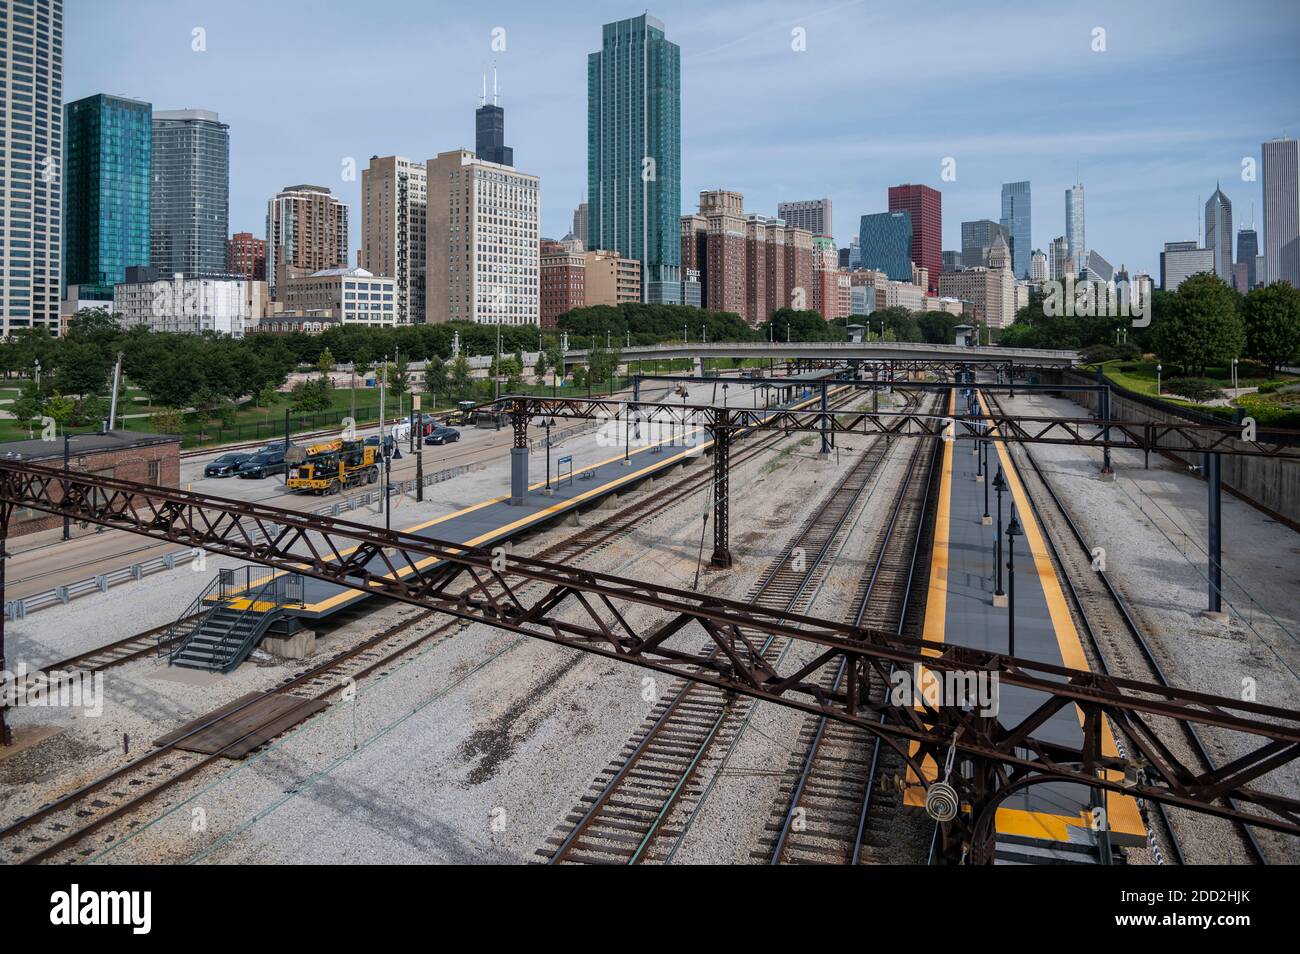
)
(348, 295)
(482, 261)
(990, 291)
(394, 207)
(611, 279)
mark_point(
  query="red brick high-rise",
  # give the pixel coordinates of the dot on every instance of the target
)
(562, 281)
(246, 256)
(926, 208)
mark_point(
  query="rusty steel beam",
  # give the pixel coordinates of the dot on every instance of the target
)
(1233, 439)
(646, 624)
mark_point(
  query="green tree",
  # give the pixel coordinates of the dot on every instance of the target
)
(60, 408)
(82, 369)
(460, 377)
(1272, 318)
(435, 377)
(167, 420)
(1204, 328)
(28, 405)
(324, 365)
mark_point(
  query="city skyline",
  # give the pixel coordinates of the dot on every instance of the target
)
(1144, 158)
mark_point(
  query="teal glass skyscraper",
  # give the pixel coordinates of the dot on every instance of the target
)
(634, 146)
(107, 154)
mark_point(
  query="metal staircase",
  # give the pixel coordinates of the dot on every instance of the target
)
(232, 614)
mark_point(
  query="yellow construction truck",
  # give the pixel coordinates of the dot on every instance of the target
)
(329, 467)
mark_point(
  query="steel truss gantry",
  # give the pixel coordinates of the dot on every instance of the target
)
(655, 627)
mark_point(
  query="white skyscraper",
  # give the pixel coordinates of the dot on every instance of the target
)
(31, 164)
(1281, 211)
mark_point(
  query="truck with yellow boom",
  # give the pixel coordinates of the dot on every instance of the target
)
(331, 466)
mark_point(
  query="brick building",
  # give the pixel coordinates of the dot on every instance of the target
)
(748, 264)
(563, 270)
(126, 455)
(246, 257)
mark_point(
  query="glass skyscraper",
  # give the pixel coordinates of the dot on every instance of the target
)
(885, 243)
(1015, 222)
(1218, 232)
(1281, 187)
(190, 215)
(1075, 238)
(31, 163)
(107, 155)
(634, 140)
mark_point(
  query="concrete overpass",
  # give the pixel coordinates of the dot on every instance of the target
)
(900, 351)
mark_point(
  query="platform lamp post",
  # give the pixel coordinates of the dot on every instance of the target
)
(1013, 531)
(999, 486)
(984, 447)
(548, 423)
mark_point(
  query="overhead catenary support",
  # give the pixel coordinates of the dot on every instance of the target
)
(721, 490)
(826, 434)
(1214, 483)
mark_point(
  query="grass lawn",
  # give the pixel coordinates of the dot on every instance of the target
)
(1140, 376)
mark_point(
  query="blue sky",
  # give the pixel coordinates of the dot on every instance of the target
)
(882, 94)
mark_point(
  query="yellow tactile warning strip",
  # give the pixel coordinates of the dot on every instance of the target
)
(1122, 811)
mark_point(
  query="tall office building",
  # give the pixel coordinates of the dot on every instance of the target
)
(1016, 223)
(1218, 233)
(814, 215)
(925, 206)
(1076, 240)
(1038, 267)
(634, 133)
(31, 163)
(107, 159)
(1180, 261)
(580, 223)
(306, 232)
(1281, 211)
(1058, 259)
(885, 241)
(977, 239)
(394, 207)
(1247, 250)
(483, 245)
(490, 128)
(190, 212)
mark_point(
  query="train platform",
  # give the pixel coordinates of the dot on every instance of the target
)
(496, 520)
(961, 608)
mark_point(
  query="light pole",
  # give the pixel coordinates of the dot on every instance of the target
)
(999, 485)
(548, 423)
(1159, 368)
(1234, 377)
(1013, 531)
(986, 519)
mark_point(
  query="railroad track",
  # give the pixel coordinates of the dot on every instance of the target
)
(1113, 634)
(832, 808)
(60, 829)
(632, 813)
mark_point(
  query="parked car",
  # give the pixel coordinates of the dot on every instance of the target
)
(227, 465)
(441, 434)
(264, 463)
(373, 441)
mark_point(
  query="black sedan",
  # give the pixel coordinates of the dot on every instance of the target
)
(227, 465)
(441, 434)
(263, 464)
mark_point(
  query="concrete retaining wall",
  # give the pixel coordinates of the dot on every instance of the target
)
(1271, 484)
